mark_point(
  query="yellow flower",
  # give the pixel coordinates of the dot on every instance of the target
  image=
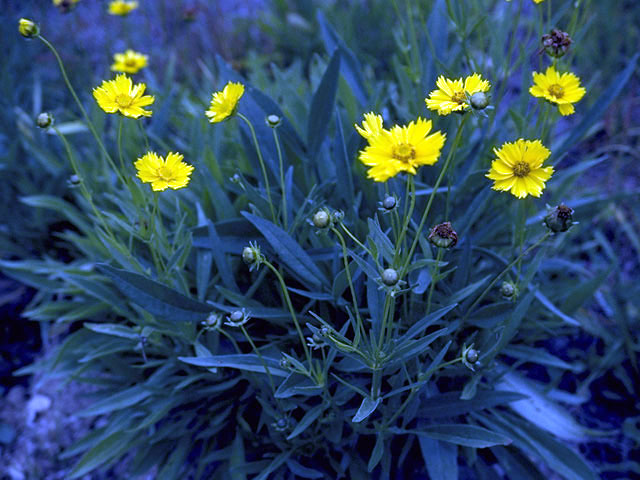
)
(224, 103)
(452, 95)
(371, 126)
(129, 61)
(161, 173)
(28, 28)
(561, 89)
(519, 169)
(401, 149)
(122, 7)
(120, 95)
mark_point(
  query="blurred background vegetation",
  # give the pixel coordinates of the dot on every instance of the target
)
(272, 41)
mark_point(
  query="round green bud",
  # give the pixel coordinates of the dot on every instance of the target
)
(389, 202)
(236, 316)
(479, 101)
(74, 180)
(507, 289)
(390, 277)
(248, 255)
(472, 356)
(321, 219)
(44, 120)
(273, 120)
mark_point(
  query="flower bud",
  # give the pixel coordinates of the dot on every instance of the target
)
(235, 178)
(508, 290)
(389, 202)
(443, 235)
(556, 43)
(273, 120)
(472, 356)
(337, 216)
(44, 120)
(559, 219)
(212, 322)
(237, 318)
(321, 219)
(479, 101)
(390, 277)
(74, 180)
(28, 28)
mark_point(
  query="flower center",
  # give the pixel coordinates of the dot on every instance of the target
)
(165, 173)
(521, 169)
(124, 100)
(130, 62)
(556, 90)
(459, 97)
(404, 152)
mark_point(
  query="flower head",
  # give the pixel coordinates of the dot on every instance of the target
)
(518, 168)
(371, 125)
(561, 89)
(65, 5)
(129, 62)
(122, 7)
(401, 149)
(556, 43)
(452, 95)
(120, 95)
(224, 103)
(161, 173)
(28, 28)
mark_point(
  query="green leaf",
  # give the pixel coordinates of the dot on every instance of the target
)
(450, 404)
(111, 447)
(113, 329)
(249, 362)
(440, 458)
(118, 401)
(155, 297)
(307, 420)
(459, 434)
(273, 466)
(297, 384)
(367, 407)
(376, 454)
(288, 250)
(322, 106)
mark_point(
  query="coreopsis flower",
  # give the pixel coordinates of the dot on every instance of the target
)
(120, 95)
(122, 7)
(225, 102)
(453, 95)
(561, 89)
(163, 173)
(371, 125)
(28, 28)
(129, 62)
(518, 168)
(402, 149)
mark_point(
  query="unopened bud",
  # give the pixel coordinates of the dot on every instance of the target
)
(44, 120)
(28, 28)
(248, 256)
(559, 219)
(389, 202)
(273, 120)
(443, 235)
(74, 180)
(390, 277)
(508, 290)
(479, 101)
(472, 356)
(321, 219)
(237, 318)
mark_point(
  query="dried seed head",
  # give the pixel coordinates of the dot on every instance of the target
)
(556, 43)
(443, 235)
(559, 219)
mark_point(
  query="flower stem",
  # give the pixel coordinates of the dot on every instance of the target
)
(84, 112)
(282, 186)
(434, 278)
(257, 352)
(454, 147)
(262, 164)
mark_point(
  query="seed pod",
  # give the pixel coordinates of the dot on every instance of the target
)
(559, 219)
(443, 235)
(556, 43)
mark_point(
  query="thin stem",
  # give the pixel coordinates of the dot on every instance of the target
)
(454, 147)
(411, 194)
(79, 103)
(434, 278)
(282, 186)
(352, 289)
(120, 156)
(262, 164)
(359, 243)
(506, 269)
(287, 299)
(257, 352)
